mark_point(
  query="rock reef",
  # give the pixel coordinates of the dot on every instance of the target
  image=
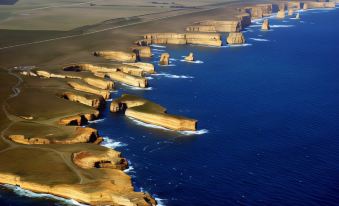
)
(186, 38)
(149, 112)
(164, 59)
(235, 38)
(265, 25)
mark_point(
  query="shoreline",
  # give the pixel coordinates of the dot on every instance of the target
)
(19, 90)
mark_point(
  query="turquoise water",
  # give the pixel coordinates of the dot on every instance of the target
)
(268, 121)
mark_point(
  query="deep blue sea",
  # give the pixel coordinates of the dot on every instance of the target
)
(268, 122)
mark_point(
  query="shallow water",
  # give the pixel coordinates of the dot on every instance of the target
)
(269, 115)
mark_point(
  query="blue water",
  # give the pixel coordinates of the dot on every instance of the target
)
(271, 109)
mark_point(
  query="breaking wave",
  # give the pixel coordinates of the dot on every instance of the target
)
(259, 39)
(26, 193)
(136, 88)
(96, 121)
(281, 26)
(173, 76)
(198, 132)
(110, 143)
(193, 62)
(237, 45)
(157, 46)
(160, 50)
(169, 65)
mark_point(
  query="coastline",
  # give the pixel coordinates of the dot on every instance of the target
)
(57, 62)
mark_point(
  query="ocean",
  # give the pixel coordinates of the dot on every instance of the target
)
(268, 131)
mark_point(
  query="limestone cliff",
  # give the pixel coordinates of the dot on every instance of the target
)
(117, 55)
(149, 112)
(187, 38)
(145, 67)
(142, 51)
(235, 38)
(314, 4)
(96, 102)
(190, 57)
(164, 59)
(217, 26)
(294, 5)
(244, 19)
(260, 10)
(265, 25)
(90, 89)
(128, 79)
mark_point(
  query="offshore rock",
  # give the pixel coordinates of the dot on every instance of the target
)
(265, 25)
(190, 57)
(164, 59)
(281, 14)
(235, 38)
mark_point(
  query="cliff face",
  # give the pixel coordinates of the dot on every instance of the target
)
(145, 67)
(281, 14)
(164, 59)
(244, 19)
(142, 51)
(217, 26)
(128, 79)
(294, 5)
(265, 25)
(235, 38)
(96, 102)
(260, 10)
(187, 38)
(190, 57)
(314, 4)
(87, 88)
(290, 12)
(149, 112)
(117, 56)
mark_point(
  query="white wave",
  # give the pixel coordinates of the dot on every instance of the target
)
(236, 45)
(157, 46)
(259, 39)
(172, 59)
(129, 169)
(136, 88)
(110, 143)
(169, 65)
(193, 62)
(149, 78)
(281, 26)
(198, 132)
(173, 76)
(255, 25)
(160, 202)
(162, 50)
(96, 121)
(26, 193)
(109, 100)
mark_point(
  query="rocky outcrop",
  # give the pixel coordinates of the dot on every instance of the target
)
(128, 79)
(82, 135)
(111, 159)
(290, 12)
(260, 10)
(164, 59)
(117, 55)
(90, 89)
(145, 67)
(89, 67)
(314, 4)
(216, 26)
(265, 25)
(79, 119)
(132, 70)
(190, 57)
(281, 14)
(187, 38)
(96, 102)
(99, 83)
(149, 112)
(297, 16)
(142, 51)
(235, 38)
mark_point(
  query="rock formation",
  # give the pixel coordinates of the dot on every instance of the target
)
(315, 4)
(294, 5)
(187, 38)
(128, 79)
(145, 67)
(290, 12)
(235, 38)
(281, 14)
(96, 102)
(217, 26)
(142, 51)
(260, 10)
(164, 59)
(99, 83)
(117, 55)
(149, 112)
(244, 19)
(190, 57)
(90, 89)
(265, 25)
(305, 6)
(297, 16)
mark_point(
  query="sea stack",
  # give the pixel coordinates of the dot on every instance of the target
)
(190, 57)
(265, 25)
(297, 16)
(235, 38)
(281, 14)
(305, 7)
(290, 12)
(164, 59)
